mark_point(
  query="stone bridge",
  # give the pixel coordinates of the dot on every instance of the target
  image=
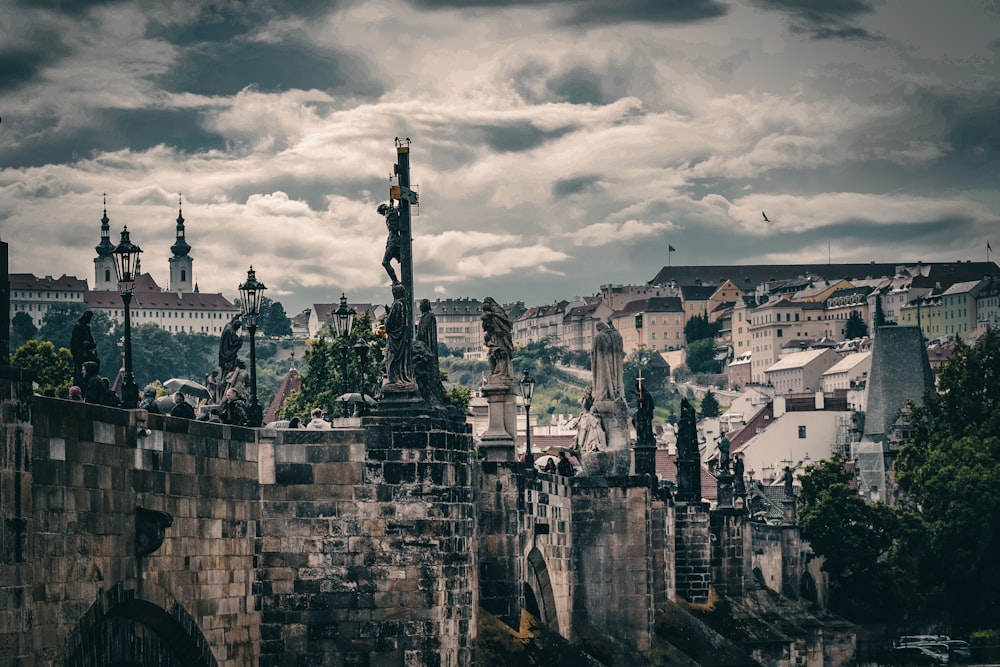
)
(135, 539)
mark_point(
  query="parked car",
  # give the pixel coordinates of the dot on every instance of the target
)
(960, 650)
(920, 639)
(914, 654)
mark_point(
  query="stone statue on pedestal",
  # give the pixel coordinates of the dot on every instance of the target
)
(399, 341)
(499, 342)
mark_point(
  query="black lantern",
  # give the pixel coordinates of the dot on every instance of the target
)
(126, 256)
(527, 386)
(251, 292)
(361, 355)
(343, 318)
(343, 322)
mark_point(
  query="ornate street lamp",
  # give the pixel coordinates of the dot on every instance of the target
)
(126, 256)
(343, 322)
(361, 354)
(527, 386)
(251, 292)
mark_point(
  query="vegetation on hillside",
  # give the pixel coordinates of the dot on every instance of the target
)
(933, 561)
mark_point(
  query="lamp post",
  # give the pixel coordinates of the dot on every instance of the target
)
(343, 322)
(361, 354)
(126, 256)
(527, 385)
(251, 292)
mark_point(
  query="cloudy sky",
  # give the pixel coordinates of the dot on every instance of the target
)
(558, 145)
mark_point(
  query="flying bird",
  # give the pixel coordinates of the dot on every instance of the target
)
(766, 219)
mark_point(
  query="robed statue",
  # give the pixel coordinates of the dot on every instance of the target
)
(229, 346)
(608, 362)
(499, 342)
(399, 340)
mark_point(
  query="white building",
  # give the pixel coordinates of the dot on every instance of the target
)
(848, 373)
(801, 371)
(182, 308)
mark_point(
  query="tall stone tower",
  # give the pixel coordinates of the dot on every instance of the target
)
(181, 279)
(105, 277)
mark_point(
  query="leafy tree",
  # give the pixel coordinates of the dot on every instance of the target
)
(701, 356)
(53, 368)
(58, 322)
(273, 319)
(546, 351)
(655, 371)
(879, 318)
(950, 469)
(460, 397)
(699, 328)
(709, 405)
(862, 545)
(22, 329)
(323, 378)
(855, 327)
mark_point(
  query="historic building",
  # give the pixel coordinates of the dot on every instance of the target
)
(180, 308)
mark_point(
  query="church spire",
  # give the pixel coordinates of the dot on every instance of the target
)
(180, 248)
(105, 247)
(181, 263)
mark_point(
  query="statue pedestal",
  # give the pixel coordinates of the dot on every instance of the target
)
(498, 443)
(614, 416)
(401, 401)
(607, 463)
(645, 458)
(724, 489)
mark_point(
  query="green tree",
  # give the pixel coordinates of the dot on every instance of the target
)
(655, 371)
(53, 368)
(460, 397)
(862, 545)
(323, 378)
(701, 356)
(709, 405)
(58, 322)
(699, 328)
(855, 327)
(273, 319)
(22, 329)
(879, 318)
(950, 471)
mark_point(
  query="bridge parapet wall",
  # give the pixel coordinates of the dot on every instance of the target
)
(548, 520)
(614, 556)
(367, 546)
(92, 467)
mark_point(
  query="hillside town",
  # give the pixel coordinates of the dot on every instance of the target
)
(791, 343)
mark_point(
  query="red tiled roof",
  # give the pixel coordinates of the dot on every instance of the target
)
(666, 470)
(31, 281)
(291, 384)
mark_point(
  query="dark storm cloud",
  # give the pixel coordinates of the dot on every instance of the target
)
(603, 12)
(113, 130)
(222, 21)
(824, 19)
(74, 7)
(517, 137)
(19, 66)
(572, 186)
(225, 68)
(579, 85)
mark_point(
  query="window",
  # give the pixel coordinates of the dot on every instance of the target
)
(802, 432)
(780, 333)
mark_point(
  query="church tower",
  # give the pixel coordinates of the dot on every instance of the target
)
(105, 277)
(181, 279)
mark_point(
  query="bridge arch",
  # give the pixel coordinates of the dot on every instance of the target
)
(539, 599)
(124, 628)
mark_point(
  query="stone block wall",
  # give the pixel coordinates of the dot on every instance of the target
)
(500, 539)
(767, 556)
(366, 546)
(548, 525)
(613, 558)
(95, 601)
(727, 527)
(16, 519)
(693, 553)
(661, 528)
